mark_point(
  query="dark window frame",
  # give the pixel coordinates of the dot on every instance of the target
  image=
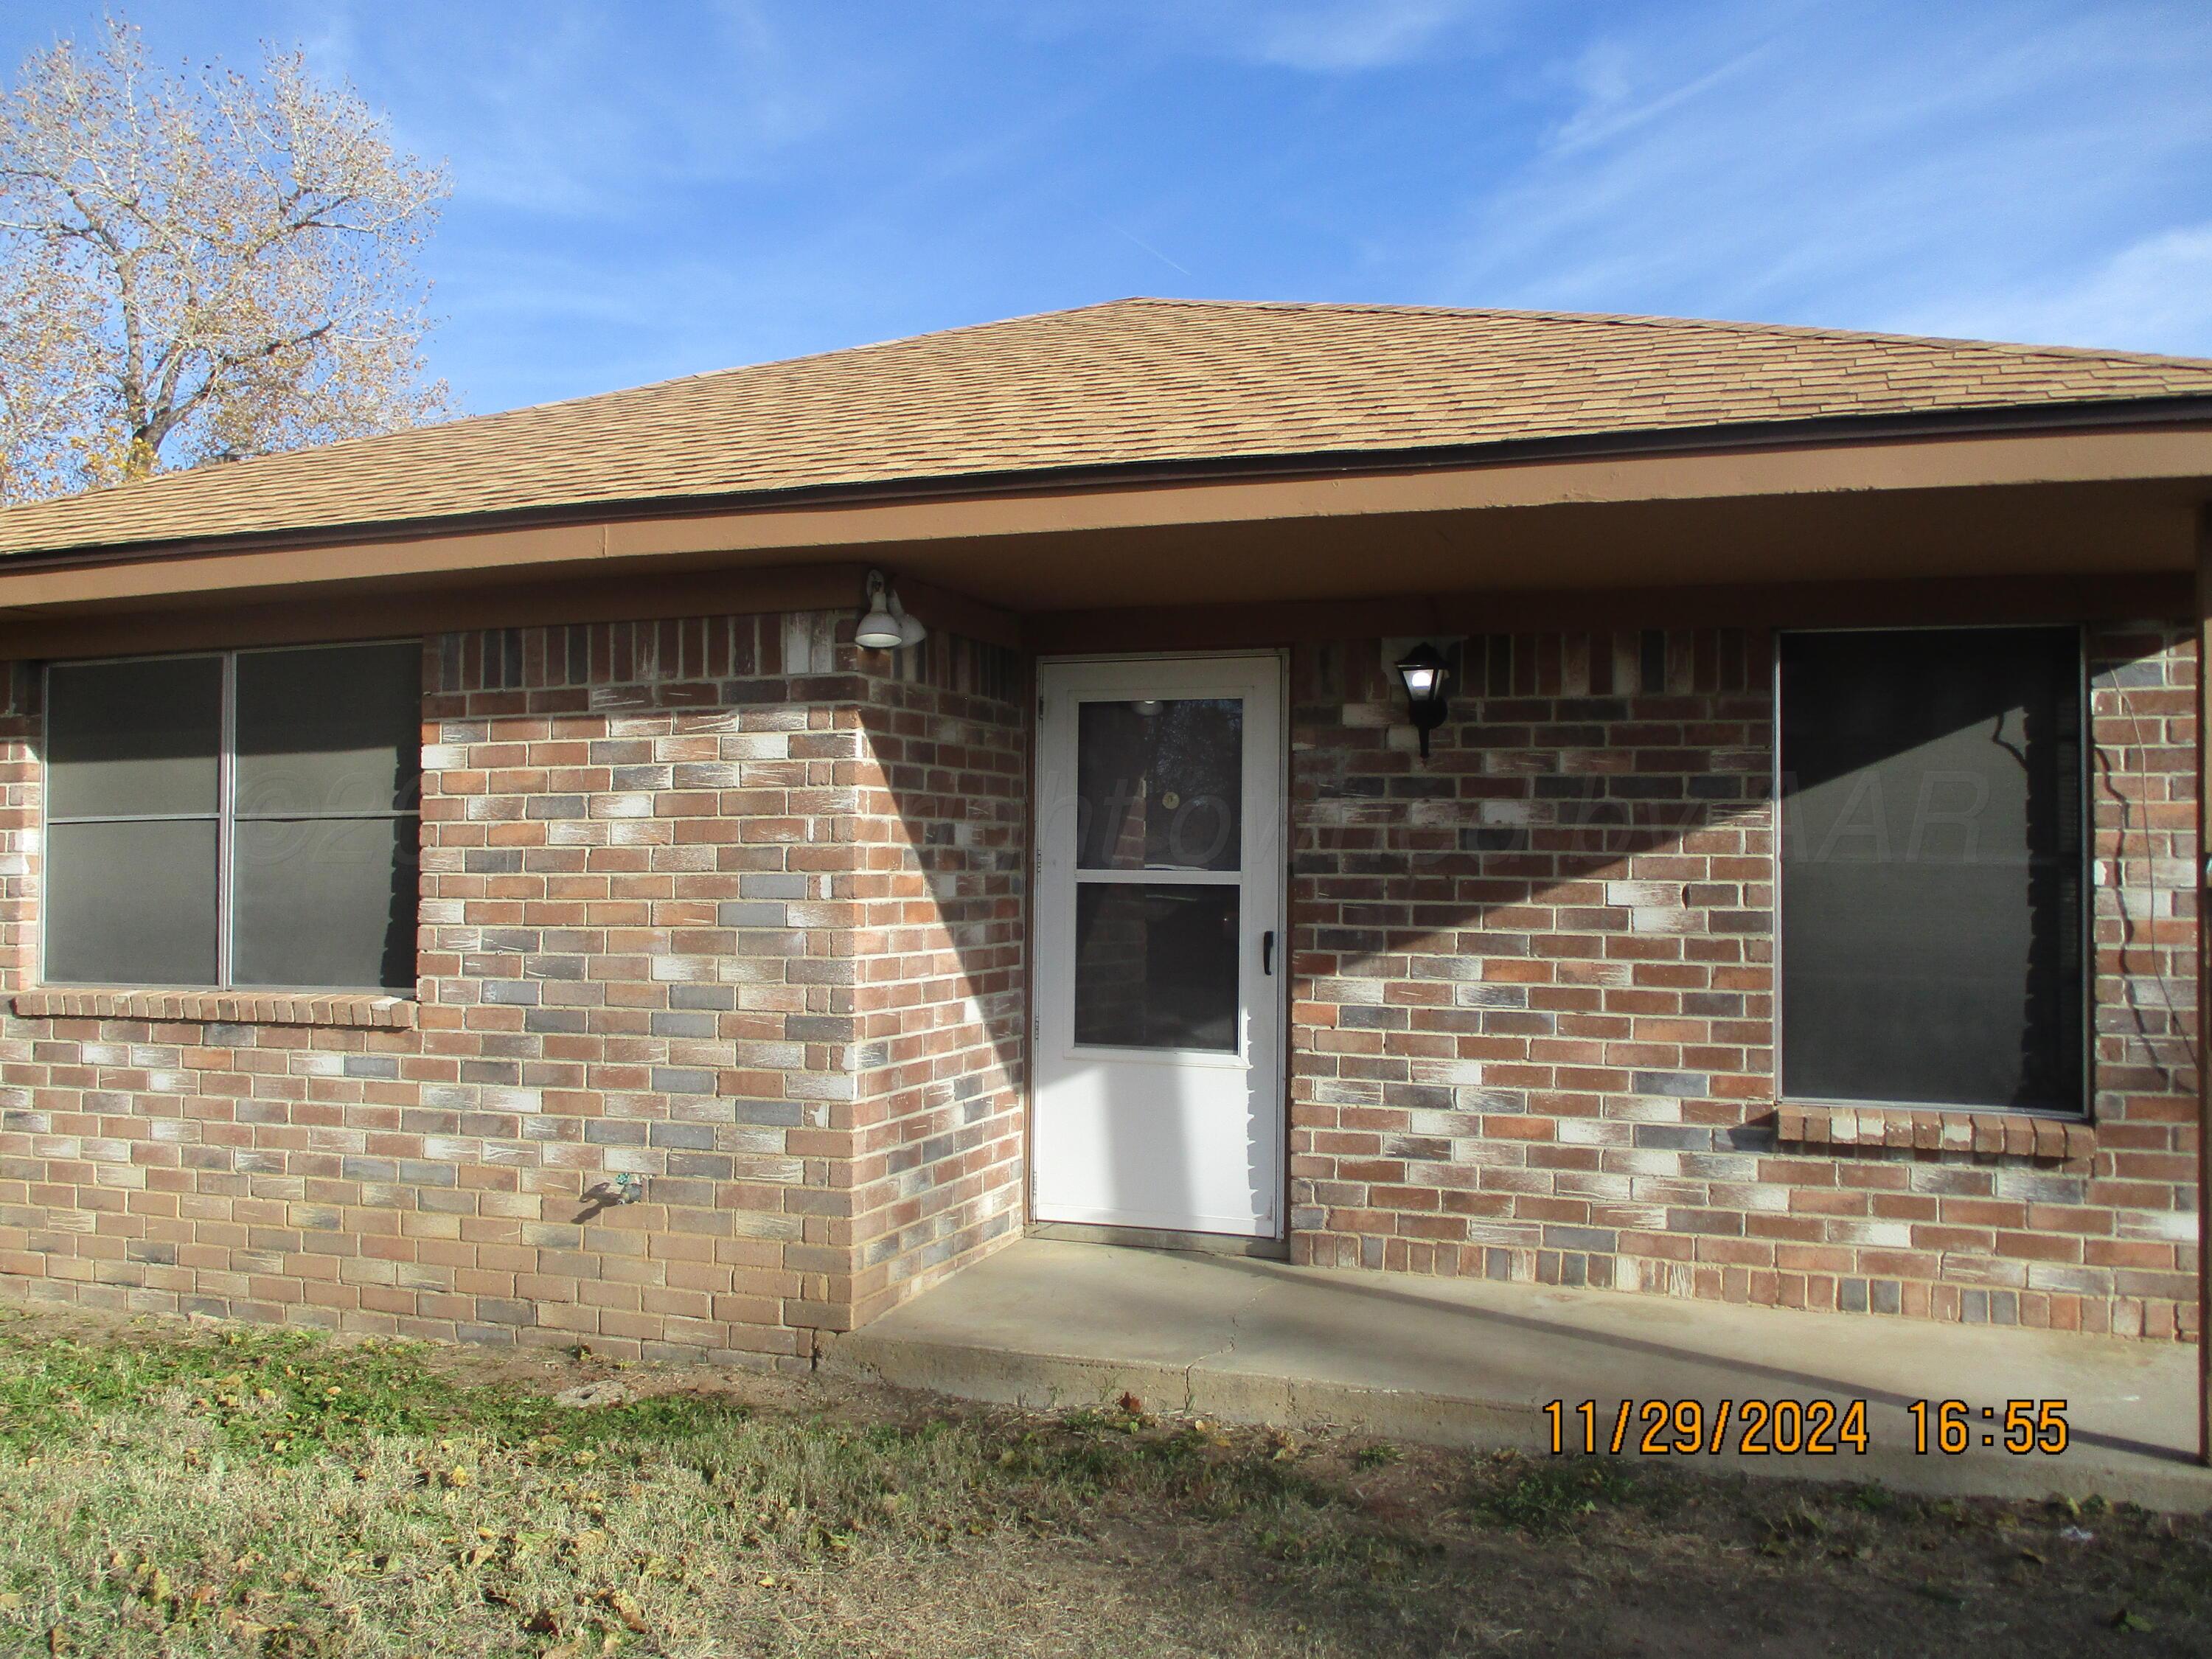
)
(225, 816)
(2086, 886)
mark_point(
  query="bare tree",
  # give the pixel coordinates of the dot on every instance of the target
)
(198, 267)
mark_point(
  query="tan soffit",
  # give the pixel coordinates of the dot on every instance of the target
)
(1130, 384)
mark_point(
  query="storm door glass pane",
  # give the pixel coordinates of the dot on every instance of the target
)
(334, 729)
(126, 738)
(131, 903)
(1156, 966)
(327, 903)
(1160, 784)
(1931, 867)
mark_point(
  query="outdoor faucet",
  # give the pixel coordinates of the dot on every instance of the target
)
(620, 1188)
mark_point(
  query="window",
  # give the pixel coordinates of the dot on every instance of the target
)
(1931, 902)
(242, 820)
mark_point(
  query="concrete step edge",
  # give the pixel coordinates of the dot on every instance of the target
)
(1039, 1382)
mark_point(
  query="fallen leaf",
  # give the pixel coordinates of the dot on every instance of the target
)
(624, 1608)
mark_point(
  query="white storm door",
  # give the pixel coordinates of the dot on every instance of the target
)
(1158, 990)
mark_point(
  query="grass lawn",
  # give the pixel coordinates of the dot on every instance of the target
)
(167, 1489)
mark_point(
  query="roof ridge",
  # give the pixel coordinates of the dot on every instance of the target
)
(1638, 320)
(645, 386)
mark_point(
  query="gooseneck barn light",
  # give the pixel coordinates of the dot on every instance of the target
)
(1424, 671)
(886, 627)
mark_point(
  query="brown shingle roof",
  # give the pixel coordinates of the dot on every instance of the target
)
(1133, 381)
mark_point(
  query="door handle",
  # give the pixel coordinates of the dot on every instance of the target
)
(1267, 952)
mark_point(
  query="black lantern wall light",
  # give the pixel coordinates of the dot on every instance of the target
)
(1426, 674)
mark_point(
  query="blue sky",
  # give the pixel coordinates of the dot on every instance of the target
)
(660, 187)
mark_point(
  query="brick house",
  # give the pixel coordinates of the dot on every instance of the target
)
(475, 883)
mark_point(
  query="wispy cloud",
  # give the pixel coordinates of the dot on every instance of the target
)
(1317, 37)
(579, 113)
(1800, 165)
(1617, 100)
(2153, 295)
(1335, 36)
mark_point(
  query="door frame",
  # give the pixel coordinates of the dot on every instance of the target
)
(1276, 1245)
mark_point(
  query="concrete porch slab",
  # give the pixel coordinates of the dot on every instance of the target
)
(1046, 1324)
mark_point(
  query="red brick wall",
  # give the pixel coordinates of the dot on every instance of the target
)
(1534, 1005)
(938, 1162)
(729, 907)
(649, 852)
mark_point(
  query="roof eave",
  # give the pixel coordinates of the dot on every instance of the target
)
(1826, 432)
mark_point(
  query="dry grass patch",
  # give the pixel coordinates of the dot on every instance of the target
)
(174, 1490)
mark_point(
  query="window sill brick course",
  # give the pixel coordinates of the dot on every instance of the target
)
(356, 1011)
(2014, 1134)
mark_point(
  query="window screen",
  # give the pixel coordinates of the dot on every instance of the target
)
(1931, 867)
(247, 819)
(133, 795)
